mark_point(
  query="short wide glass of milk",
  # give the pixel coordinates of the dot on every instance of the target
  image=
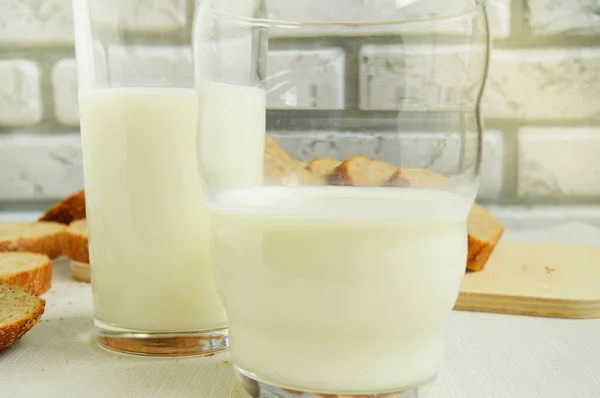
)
(339, 183)
(153, 291)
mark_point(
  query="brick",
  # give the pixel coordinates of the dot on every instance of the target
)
(492, 165)
(36, 22)
(559, 162)
(436, 151)
(418, 77)
(306, 79)
(499, 18)
(306, 145)
(159, 15)
(51, 21)
(39, 166)
(553, 84)
(564, 17)
(525, 218)
(20, 97)
(143, 65)
(64, 83)
(381, 10)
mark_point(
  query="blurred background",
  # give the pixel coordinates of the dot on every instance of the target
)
(541, 106)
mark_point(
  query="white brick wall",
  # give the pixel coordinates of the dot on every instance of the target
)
(559, 162)
(64, 84)
(31, 22)
(20, 96)
(149, 15)
(548, 84)
(147, 65)
(519, 217)
(382, 10)
(492, 165)
(50, 22)
(39, 166)
(539, 76)
(306, 79)
(559, 17)
(410, 77)
(499, 18)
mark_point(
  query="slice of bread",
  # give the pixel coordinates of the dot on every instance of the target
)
(281, 169)
(323, 167)
(36, 237)
(29, 270)
(19, 312)
(485, 231)
(75, 241)
(67, 210)
(363, 172)
(301, 163)
(419, 178)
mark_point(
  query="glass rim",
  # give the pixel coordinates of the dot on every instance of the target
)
(475, 8)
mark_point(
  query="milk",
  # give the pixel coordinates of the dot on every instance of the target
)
(148, 220)
(231, 133)
(339, 289)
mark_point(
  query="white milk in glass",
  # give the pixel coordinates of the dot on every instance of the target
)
(231, 133)
(339, 288)
(148, 220)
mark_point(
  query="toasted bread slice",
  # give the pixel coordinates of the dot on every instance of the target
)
(67, 210)
(75, 241)
(419, 178)
(485, 231)
(362, 171)
(36, 237)
(19, 312)
(323, 167)
(301, 163)
(29, 270)
(281, 169)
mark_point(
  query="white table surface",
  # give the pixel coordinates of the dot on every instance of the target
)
(496, 356)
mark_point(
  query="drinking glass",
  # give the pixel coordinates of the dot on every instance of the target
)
(147, 217)
(339, 204)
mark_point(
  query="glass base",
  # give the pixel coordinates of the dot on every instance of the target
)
(165, 344)
(260, 389)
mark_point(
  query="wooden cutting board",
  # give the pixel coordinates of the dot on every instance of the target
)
(537, 279)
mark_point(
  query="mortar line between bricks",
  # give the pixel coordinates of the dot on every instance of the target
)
(510, 163)
(550, 42)
(351, 76)
(189, 11)
(518, 21)
(544, 122)
(45, 59)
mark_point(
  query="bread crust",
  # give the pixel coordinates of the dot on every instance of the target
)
(323, 167)
(68, 210)
(377, 172)
(281, 169)
(480, 249)
(478, 259)
(37, 280)
(44, 243)
(12, 332)
(75, 243)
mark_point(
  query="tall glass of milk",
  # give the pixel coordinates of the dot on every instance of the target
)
(340, 151)
(153, 291)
